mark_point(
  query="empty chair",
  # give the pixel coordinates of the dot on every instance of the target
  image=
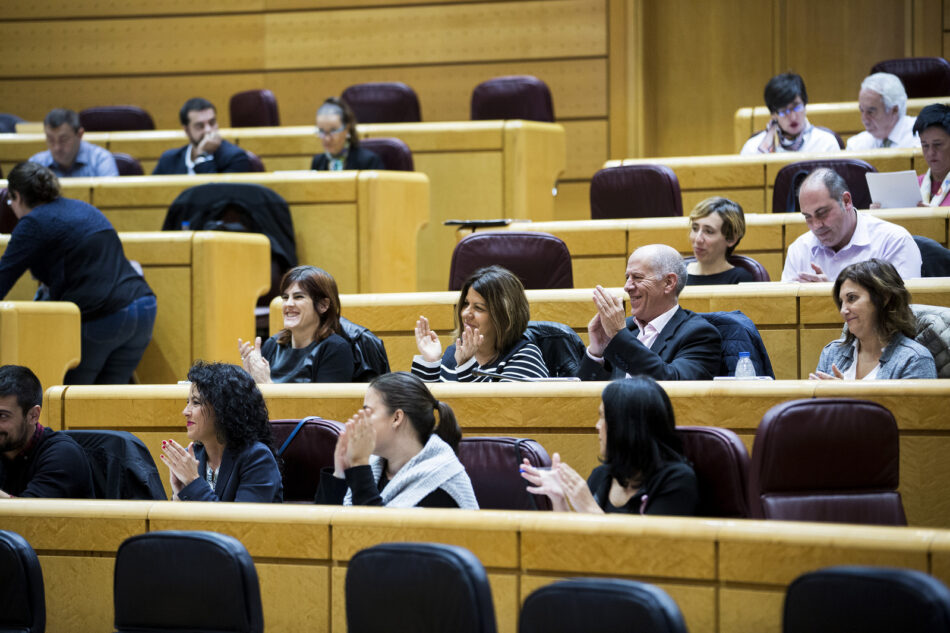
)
(759, 273)
(513, 97)
(394, 153)
(790, 177)
(305, 446)
(383, 102)
(935, 258)
(827, 459)
(561, 348)
(254, 108)
(122, 467)
(8, 123)
(921, 76)
(128, 166)
(607, 605)
(866, 599)
(173, 581)
(739, 334)
(635, 191)
(933, 332)
(492, 465)
(22, 596)
(115, 119)
(417, 587)
(721, 462)
(540, 260)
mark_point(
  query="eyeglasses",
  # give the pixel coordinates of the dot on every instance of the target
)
(798, 107)
(330, 132)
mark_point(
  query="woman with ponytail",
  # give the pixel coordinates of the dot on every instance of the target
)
(399, 450)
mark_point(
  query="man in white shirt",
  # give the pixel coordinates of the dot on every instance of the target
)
(838, 235)
(883, 104)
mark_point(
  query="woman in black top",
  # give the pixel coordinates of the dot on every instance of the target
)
(310, 347)
(716, 226)
(643, 470)
(336, 127)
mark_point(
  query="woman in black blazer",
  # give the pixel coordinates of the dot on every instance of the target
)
(336, 127)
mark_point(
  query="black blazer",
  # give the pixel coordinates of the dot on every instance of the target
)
(358, 158)
(688, 348)
(228, 158)
(248, 475)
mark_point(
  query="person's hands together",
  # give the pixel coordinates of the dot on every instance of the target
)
(818, 276)
(340, 460)
(361, 439)
(576, 491)
(427, 341)
(820, 375)
(254, 364)
(609, 320)
(467, 345)
(182, 464)
(546, 482)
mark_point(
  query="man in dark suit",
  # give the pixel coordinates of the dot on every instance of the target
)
(207, 153)
(661, 339)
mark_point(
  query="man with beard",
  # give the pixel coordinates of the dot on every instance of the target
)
(36, 461)
(207, 153)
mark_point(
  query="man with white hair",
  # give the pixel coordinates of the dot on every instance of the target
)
(883, 104)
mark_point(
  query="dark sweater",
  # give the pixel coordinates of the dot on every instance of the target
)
(365, 491)
(734, 275)
(672, 490)
(52, 465)
(329, 360)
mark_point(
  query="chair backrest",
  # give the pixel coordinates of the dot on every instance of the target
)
(185, 581)
(420, 586)
(22, 595)
(8, 218)
(513, 97)
(255, 162)
(933, 332)
(128, 166)
(758, 271)
(540, 260)
(369, 351)
(254, 108)
(395, 154)
(921, 76)
(8, 123)
(635, 191)
(739, 334)
(721, 463)
(934, 256)
(561, 348)
(790, 177)
(383, 102)
(827, 459)
(841, 143)
(492, 465)
(115, 119)
(122, 467)
(866, 599)
(310, 448)
(616, 606)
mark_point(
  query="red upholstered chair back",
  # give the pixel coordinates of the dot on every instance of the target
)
(383, 102)
(393, 152)
(742, 261)
(514, 97)
(492, 465)
(255, 161)
(128, 166)
(254, 108)
(789, 179)
(540, 260)
(721, 462)
(921, 76)
(115, 119)
(827, 459)
(310, 450)
(635, 191)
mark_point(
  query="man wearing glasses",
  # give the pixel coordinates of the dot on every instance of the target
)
(789, 129)
(207, 152)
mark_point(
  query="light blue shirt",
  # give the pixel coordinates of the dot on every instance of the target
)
(91, 160)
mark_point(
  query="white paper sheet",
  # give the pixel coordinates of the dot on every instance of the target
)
(894, 189)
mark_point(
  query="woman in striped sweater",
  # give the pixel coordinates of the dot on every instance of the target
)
(490, 320)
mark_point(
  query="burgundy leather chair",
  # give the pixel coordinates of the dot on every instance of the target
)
(310, 449)
(540, 260)
(8, 218)
(827, 459)
(395, 154)
(721, 463)
(128, 166)
(22, 593)
(742, 261)
(789, 178)
(492, 464)
(513, 97)
(115, 119)
(254, 108)
(635, 191)
(383, 102)
(257, 165)
(921, 76)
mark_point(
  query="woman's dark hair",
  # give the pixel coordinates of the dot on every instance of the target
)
(339, 107)
(402, 390)
(888, 294)
(733, 220)
(934, 115)
(782, 90)
(507, 304)
(240, 414)
(641, 429)
(319, 285)
(34, 183)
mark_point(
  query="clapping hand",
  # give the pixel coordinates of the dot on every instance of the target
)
(427, 341)
(254, 364)
(576, 491)
(545, 481)
(467, 345)
(820, 375)
(182, 464)
(609, 320)
(360, 439)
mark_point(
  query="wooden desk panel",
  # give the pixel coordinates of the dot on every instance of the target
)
(42, 335)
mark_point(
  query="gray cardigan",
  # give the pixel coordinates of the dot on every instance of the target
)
(902, 358)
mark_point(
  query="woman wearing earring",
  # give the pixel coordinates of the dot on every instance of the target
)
(336, 127)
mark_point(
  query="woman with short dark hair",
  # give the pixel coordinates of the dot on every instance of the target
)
(336, 127)
(933, 128)
(715, 227)
(789, 129)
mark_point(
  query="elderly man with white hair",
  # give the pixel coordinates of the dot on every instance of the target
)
(883, 104)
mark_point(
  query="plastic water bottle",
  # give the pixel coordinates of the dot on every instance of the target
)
(744, 368)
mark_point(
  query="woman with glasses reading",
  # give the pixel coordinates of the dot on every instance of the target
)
(336, 127)
(789, 129)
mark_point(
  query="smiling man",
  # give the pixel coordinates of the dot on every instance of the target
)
(838, 235)
(68, 155)
(206, 152)
(660, 339)
(883, 105)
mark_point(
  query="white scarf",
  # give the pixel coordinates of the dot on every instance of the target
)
(435, 466)
(926, 186)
